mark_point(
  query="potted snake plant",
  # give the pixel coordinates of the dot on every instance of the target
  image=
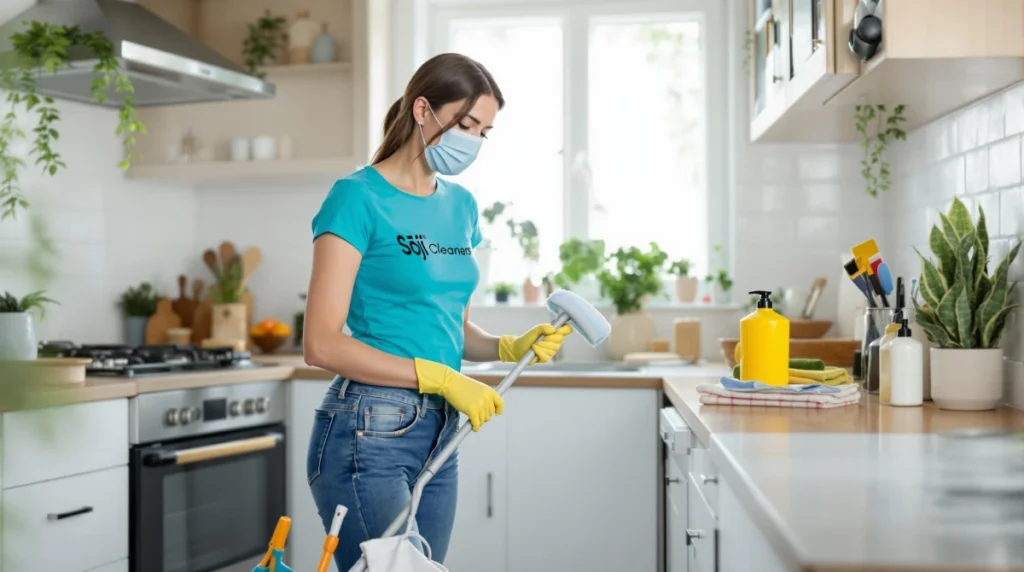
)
(964, 311)
(17, 336)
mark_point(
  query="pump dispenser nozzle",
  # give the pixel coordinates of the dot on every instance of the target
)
(897, 316)
(765, 300)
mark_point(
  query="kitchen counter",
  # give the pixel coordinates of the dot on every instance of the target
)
(869, 487)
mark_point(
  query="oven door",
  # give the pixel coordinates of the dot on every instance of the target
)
(208, 503)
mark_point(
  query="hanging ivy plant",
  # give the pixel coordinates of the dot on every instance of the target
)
(43, 48)
(878, 127)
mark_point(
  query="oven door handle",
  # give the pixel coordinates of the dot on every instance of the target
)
(212, 452)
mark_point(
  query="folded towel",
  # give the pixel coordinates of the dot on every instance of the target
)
(845, 380)
(828, 373)
(801, 401)
(746, 393)
(759, 387)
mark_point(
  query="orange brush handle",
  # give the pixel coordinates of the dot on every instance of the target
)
(330, 545)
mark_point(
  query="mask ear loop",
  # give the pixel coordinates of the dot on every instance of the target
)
(441, 125)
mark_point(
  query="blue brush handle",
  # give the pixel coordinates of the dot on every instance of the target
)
(885, 277)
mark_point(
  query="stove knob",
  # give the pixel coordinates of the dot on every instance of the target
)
(262, 404)
(249, 405)
(186, 415)
(235, 408)
(171, 417)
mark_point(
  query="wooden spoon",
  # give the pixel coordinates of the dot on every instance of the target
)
(228, 254)
(197, 291)
(251, 258)
(210, 259)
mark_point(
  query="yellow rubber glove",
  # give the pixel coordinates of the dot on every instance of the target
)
(475, 400)
(512, 348)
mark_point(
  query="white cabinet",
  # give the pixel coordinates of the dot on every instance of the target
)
(582, 479)
(75, 523)
(479, 537)
(306, 538)
(675, 516)
(743, 546)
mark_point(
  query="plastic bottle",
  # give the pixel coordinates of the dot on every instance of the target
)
(884, 363)
(764, 335)
(907, 369)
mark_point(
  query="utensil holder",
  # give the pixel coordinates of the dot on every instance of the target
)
(874, 321)
(229, 322)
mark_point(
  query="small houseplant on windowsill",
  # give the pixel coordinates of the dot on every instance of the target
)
(17, 336)
(686, 285)
(502, 291)
(964, 312)
(525, 233)
(485, 250)
(629, 278)
(580, 259)
(138, 303)
(719, 283)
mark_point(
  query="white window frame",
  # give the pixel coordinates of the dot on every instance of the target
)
(576, 14)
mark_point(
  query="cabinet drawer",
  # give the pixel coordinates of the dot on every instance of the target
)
(675, 432)
(55, 442)
(704, 476)
(71, 524)
(702, 534)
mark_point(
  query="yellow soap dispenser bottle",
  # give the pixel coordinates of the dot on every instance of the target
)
(764, 336)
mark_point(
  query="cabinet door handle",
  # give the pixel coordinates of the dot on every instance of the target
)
(670, 480)
(490, 495)
(68, 514)
(704, 479)
(693, 534)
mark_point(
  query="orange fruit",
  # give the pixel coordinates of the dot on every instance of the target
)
(281, 329)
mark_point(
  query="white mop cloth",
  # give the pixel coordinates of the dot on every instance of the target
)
(398, 554)
(715, 394)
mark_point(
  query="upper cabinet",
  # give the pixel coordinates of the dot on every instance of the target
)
(936, 56)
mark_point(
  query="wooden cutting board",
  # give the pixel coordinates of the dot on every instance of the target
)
(202, 324)
(184, 306)
(163, 320)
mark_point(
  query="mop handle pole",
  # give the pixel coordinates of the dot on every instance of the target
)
(446, 452)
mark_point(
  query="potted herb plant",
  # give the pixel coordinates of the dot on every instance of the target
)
(502, 290)
(138, 303)
(265, 41)
(17, 336)
(719, 282)
(630, 276)
(964, 311)
(580, 259)
(686, 285)
(483, 252)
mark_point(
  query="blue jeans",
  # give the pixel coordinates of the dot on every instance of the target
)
(368, 446)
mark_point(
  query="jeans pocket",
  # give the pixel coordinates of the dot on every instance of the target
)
(384, 418)
(322, 422)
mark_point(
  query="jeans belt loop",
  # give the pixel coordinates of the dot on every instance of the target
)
(343, 388)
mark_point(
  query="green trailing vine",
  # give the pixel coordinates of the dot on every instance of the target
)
(878, 127)
(43, 48)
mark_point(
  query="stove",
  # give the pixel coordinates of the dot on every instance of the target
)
(129, 361)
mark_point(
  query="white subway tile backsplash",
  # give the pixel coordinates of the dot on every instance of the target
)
(967, 124)
(1013, 102)
(994, 124)
(989, 202)
(977, 170)
(1004, 163)
(823, 197)
(1011, 215)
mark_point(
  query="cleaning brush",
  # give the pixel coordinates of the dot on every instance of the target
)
(857, 276)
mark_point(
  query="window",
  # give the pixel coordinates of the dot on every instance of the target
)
(606, 131)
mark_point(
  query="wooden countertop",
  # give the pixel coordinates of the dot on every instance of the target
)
(867, 417)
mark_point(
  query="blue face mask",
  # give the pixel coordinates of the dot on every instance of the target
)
(453, 153)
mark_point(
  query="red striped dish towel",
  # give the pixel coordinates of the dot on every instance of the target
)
(715, 394)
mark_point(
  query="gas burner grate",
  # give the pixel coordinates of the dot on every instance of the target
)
(129, 361)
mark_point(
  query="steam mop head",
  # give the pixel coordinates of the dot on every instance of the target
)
(585, 319)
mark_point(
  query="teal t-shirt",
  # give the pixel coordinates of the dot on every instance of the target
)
(418, 270)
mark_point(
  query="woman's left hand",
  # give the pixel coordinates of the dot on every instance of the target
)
(513, 348)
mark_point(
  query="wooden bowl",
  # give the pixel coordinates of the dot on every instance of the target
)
(269, 343)
(833, 351)
(48, 371)
(809, 329)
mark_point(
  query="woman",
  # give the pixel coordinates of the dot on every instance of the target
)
(392, 258)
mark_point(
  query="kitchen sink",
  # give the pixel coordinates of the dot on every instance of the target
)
(568, 367)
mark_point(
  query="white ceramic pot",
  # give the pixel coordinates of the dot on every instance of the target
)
(967, 380)
(686, 289)
(630, 333)
(241, 149)
(17, 337)
(264, 148)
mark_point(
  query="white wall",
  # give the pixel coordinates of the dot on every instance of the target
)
(109, 232)
(974, 154)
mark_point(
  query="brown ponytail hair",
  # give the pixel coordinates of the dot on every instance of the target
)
(440, 80)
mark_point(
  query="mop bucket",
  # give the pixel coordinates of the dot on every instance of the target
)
(394, 551)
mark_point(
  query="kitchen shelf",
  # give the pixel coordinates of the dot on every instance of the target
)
(297, 69)
(219, 171)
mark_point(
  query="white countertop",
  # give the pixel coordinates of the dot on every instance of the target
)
(920, 500)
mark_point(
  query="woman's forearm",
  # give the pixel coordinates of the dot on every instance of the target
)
(346, 356)
(479, 345)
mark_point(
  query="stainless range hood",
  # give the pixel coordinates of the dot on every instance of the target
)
(166, 65)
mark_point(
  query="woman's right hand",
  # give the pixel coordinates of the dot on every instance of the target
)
(475, 400)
